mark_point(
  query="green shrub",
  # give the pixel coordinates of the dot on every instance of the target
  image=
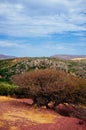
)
(6, 88)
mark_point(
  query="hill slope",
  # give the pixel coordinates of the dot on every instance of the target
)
(5, 56)
(69, 57)
(9, 67)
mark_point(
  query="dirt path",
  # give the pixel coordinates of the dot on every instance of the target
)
(15, 114)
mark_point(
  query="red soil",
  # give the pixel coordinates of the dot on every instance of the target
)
(15, 114)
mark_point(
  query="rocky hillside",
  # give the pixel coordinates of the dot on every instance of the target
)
(20, 65)
(9, 67)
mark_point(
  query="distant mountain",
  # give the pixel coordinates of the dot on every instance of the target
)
(6, 56)
(69, 57)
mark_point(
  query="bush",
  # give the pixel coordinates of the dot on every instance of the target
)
(44, 86)
(6, 88)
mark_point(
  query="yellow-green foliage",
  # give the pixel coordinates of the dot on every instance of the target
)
(6, 88)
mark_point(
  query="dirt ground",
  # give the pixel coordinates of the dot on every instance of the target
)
(17, 114)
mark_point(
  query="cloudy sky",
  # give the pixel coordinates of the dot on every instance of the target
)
(42, 27)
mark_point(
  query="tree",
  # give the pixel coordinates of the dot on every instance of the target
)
(48, 85)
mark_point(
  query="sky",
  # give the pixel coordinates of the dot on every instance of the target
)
(42, 27)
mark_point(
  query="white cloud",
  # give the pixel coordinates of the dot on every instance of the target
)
(9, 44)
(18, 48)
(40, 18)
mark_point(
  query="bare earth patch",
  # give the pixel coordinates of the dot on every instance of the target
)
(17, 114)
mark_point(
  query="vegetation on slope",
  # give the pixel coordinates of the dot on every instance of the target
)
(57, 85)
(15, 66)
(78, 68)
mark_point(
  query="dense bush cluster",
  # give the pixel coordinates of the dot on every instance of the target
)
(45, 86)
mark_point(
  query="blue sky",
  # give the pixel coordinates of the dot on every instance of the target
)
(42, 27)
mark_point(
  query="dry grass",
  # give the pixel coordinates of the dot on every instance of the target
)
(13, 128)
(4, 98)
(14, 112)
(29, 115)
(1, 123)
(78, 59)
